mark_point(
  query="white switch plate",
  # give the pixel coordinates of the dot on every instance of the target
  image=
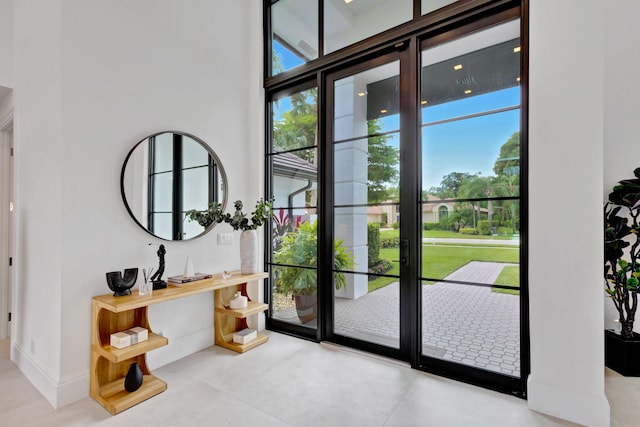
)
(225, 238)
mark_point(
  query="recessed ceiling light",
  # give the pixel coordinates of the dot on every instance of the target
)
(362, 93)
(383, 111)
(516, 49)
(348, 1)
(467, 92)
(457, 67)
(424, 102)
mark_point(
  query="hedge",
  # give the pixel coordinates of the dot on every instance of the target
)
(468, 230)
(390, 242)
(373, 242)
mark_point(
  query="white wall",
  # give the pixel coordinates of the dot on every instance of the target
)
(621, 136)
(6, 43)
(566, 172)
(122, 70)
(38, 208)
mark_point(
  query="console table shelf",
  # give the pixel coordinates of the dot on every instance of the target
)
(116, 355)
(117, 399)
(110, 314)
(241, 313)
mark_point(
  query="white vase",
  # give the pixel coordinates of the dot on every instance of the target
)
(249, 252)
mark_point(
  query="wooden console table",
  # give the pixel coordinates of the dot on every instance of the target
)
(111, 314)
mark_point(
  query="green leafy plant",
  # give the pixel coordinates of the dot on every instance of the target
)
(239, 220)
(621, 266)
(300, 248)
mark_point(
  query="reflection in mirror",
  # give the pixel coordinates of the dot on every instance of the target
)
(167, 174)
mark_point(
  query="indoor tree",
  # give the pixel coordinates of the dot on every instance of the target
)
(622, 250)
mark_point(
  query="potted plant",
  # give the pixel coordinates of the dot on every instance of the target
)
(622, 273)
(238, 221)
(299, 248)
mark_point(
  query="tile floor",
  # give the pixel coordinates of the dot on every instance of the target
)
(292, 382)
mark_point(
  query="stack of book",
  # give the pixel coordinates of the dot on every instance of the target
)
(183, 280)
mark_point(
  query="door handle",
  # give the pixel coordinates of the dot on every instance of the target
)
(404, 252)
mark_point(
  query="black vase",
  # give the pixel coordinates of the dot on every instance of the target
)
(133, 380)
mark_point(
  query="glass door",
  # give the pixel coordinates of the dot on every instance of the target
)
(470, 205)
(364, 137)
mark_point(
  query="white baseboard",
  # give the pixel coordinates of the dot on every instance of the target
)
(44, 381)
(72, 389)
(569, 404)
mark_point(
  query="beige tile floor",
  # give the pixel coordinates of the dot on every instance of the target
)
(292, 382)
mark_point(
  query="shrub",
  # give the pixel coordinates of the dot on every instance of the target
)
(389, 242)
(484, 227)
(432, 226)
(373, 242)
(395, 225)
(468, 230)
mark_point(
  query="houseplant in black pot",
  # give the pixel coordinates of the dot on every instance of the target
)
(299, 248)
(622, 273)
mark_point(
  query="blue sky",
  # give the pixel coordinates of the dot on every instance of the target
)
(471, 145)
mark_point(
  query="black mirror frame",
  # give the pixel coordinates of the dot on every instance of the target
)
(223, 177)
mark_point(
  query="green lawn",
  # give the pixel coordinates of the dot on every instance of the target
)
(438, 261)
(510, 276)
(445, 235)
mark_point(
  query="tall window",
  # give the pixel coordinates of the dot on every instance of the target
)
(293, 161)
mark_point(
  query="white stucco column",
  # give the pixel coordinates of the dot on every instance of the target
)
(350, 183)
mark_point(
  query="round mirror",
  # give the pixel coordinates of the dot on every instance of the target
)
(167, 174)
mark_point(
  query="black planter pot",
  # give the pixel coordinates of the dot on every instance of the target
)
(306, 307)
(622, 355)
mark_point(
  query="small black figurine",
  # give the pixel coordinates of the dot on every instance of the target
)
(158, 283)
(122, 285)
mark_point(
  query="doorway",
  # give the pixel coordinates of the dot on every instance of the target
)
(6, 200)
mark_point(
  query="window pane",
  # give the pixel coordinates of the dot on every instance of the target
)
(295, 295)
(163, 152)
(294, 34)
(367, 103)
(195, 188)
(489, 336)
(295, 179)
(294, 121)
(472, 158)
(163, 225)
(350, 22)
(431, 5)
(193, 153)
(162, 185)
(374, 317)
